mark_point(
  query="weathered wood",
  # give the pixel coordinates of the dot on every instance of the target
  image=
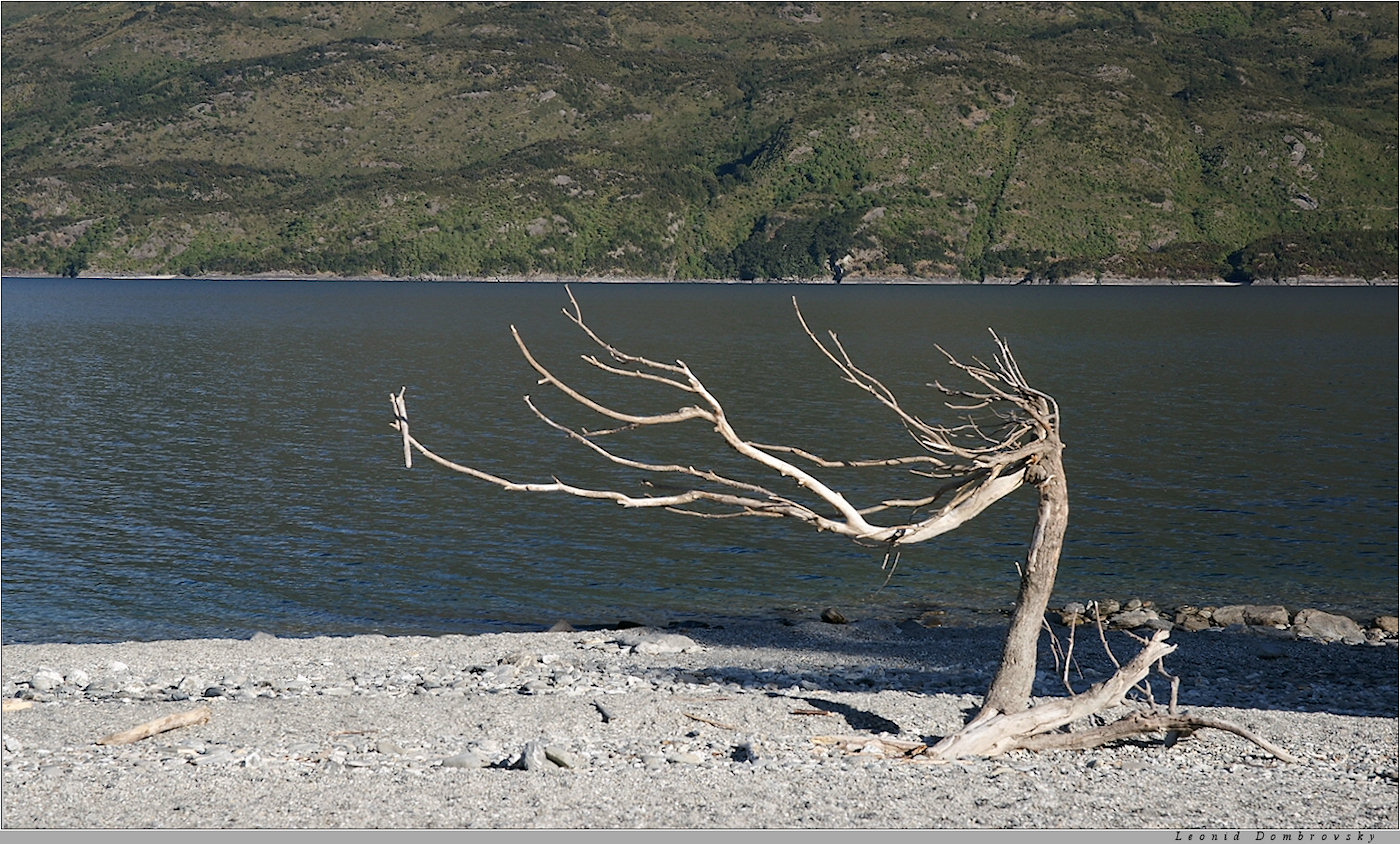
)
(1009, 436)
(712, 722)
(200, 715)
(1145, 723)
(15, 704)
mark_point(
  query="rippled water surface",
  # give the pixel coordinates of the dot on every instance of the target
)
(186, 459)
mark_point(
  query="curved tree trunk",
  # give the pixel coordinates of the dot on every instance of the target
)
(1011, 690)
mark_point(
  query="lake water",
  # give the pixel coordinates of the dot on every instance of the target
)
(204, 459)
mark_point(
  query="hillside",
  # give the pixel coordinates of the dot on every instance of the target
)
(725, 140)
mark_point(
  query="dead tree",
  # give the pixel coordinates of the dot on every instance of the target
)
(1007, 436)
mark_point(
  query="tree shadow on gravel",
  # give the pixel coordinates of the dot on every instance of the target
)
(856, 719)
(1220, 668)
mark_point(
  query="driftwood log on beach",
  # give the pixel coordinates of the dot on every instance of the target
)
(199, 715)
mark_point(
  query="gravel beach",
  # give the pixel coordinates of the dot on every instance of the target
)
(696, 727)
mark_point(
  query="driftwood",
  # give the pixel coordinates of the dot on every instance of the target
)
(1007, 436)
(13, 704)
(200, 715)
(712, 722)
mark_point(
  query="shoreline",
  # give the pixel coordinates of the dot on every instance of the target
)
(1107, 281)
(709, 728)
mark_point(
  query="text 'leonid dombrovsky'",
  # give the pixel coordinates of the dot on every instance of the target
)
(1236, 835)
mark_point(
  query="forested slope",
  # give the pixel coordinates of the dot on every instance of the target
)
(716, 140)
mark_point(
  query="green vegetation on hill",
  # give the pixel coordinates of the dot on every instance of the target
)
(692, 140)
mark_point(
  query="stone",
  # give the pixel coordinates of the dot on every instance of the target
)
(562, 757)
(684, 757)
(1259, 615)
(832, 615)
(646, 642)
(1327, 627)
(389, 747)
(606, 712)
(1191, 619)
(1271, 615)
(1135, 618)
(45, 680)
(1106, 608)
(1388, 624)
(1073, 614)
(534, 758)
(1228, 616)
(466, 759)
(78, 678)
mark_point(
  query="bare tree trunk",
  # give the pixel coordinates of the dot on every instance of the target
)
(1011, 690)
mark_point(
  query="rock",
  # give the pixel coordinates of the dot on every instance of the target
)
(78, 678)
(1135, 618)
(389, 747)
(1263, 615)
(1228, 616)
(1106, 608)
(1271, 615)
(534, 758)
(684, 757)
(1072, 614)
(657, 643)
(562, 757)
(831, 615)
(1388, 624)
(1192, 619)
(45, 680)
(466, 759)
(1327, 627)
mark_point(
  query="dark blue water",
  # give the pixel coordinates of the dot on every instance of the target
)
(195, 459)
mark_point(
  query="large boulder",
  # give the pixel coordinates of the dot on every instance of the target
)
(1327, 627)
(1270, 615)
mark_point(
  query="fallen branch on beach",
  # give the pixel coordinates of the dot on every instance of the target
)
(200, 715)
